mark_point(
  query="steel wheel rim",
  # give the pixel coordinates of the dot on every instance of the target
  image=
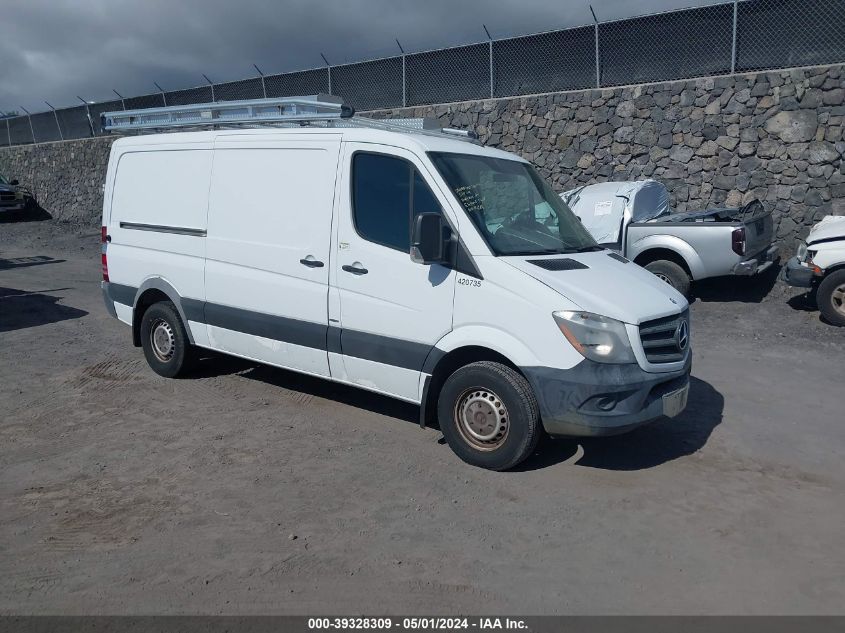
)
(664, 278)
(837, 299)
(482, 419)
(162, 340)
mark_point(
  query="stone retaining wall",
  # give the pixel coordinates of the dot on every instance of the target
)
(776, 136)
(66, 177)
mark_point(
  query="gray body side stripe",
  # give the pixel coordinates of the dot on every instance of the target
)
(384, 349)
(162, 228)
(364, 345)
(194, 310)
(122, 294)
(333, 340)
(270, 326)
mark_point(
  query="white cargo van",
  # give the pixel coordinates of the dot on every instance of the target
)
(415, 265)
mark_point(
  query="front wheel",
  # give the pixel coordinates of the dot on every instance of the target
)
(830, 297)
(489, 415)
(672, 274)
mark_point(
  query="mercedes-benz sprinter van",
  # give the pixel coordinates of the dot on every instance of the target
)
(419, 266)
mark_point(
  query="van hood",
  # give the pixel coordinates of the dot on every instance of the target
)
(599, 282)
(830, 227)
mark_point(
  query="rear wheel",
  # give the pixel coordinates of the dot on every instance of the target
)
(671, 273)
(489, 415)
(165, 341)
(830, 297)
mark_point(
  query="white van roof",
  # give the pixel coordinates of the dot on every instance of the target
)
(405, 140)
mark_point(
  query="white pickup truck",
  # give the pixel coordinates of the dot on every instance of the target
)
(820, 265)
(634, 218)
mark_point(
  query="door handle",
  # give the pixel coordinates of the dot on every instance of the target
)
(355, 270)
(311, 263)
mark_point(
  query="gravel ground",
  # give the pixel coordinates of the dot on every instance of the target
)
(246, 489)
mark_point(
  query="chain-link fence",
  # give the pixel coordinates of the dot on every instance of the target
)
(717, 39)
(682, 44)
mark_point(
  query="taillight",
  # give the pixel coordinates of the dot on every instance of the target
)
(103, 259)
(738, 241)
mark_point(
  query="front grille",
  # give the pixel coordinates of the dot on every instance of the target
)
(558, 264)
(7, 196)
(660, 338)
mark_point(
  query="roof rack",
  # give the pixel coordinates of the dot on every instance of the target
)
(319, 110)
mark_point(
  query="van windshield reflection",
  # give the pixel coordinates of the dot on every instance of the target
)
(514, 209)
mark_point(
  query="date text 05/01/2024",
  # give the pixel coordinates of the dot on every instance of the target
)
(417, 623)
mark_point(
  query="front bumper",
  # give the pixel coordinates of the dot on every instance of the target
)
(758, 263)
(593, 399)
(797, 275)
(18, 206)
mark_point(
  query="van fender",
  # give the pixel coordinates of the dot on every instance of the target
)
(671, 243)
(829, 256)
(494, 339)
(194, 312)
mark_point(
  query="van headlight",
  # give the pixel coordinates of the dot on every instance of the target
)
(802, 252)
(596, 337)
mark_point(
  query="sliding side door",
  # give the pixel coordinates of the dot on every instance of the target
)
(269, 225)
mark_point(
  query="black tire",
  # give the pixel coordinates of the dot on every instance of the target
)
(830, 297)
(672, 274)
(474, 385)
(168, 361)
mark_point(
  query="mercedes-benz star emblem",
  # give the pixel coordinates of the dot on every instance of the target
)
(682, 336)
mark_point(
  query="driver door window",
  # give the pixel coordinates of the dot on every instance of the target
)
(387, 192)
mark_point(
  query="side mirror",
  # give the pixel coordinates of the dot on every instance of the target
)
(14, 182)
(429, 239)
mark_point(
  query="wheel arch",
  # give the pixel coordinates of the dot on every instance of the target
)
(835, 268)
(658, 254)
(445, 366)
(671, 248)
(152, 291)
(464, 346)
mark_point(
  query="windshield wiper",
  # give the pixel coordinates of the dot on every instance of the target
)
(589, 249)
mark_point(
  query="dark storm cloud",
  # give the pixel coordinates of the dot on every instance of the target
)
(56, 49)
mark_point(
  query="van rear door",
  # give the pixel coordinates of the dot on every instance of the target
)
(267, 268)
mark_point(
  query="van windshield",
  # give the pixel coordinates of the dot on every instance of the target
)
(515, 211)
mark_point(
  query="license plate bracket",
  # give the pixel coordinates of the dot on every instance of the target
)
(675, 402)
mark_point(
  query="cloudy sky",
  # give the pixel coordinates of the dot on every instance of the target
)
(56, 49)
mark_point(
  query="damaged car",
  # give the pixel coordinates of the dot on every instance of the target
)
(635, 219)
(820, 266)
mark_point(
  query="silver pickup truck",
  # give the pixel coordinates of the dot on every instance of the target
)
(634, 219)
